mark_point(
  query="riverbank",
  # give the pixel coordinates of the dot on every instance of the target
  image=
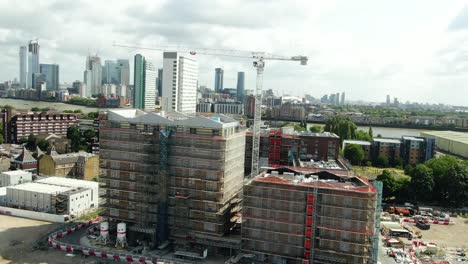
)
(58, 106)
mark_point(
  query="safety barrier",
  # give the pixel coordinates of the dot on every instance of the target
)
(435, 222)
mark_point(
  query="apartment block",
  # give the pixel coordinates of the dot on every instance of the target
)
(294, 216)
(19, 124)
(173, 177)
(288, 147)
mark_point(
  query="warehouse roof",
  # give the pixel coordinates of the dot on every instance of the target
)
(16, 172)
(449, 135)
(68, 182)
(388, 140)
(412, 138)
(40, 188)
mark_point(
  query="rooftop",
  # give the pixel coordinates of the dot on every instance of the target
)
(450, 135)
(171, 118)
(70, 157)
(40, 188)
(357, 142)
(62, 181)
(388, 140)
(321, 179)
(16, 172)
(412, 138)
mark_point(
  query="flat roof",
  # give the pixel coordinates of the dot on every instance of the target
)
(357, 142)
(412, 138)
(62, 181)
(16, 172)
(40, 188)
(388, 140)
(449, 135)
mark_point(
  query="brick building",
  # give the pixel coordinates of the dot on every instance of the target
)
(19, 124)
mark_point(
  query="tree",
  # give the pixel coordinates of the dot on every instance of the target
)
(1, 139)
(354, 153)
(43, 144)
(316, 129)
(341, 126)
(23, 140)
(422, 182)
(382, 162)
(73, 133)
(31, 143)
(363, 135)
(371, 133)
(379, 135)
(409, 169)
(389, 184)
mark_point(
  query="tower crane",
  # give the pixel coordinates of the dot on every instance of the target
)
(258, 58)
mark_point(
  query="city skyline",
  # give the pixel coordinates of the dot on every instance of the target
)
(351, 48)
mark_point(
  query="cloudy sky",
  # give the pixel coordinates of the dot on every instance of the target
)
(415, 50)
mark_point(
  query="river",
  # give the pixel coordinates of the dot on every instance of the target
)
(26, 104)
(392, 132)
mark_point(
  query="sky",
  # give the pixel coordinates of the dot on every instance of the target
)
(415, 50)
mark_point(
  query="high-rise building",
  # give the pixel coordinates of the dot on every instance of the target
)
(337, 99)
(162, 190)
(159, 82)
(179, 91)
(240, 86)
(219, 77)
(23, 57)
(110, 73)
(33, 61)
(343, 98)
(93, 75)
(388, 99)
(332, 99)
(144, 93)
(51, 73)
(123, 72)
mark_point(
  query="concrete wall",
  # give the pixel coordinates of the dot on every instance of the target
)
(46, 165)
(91, 169)
(32, 214)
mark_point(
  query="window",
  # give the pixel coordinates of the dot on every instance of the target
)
(193, 130)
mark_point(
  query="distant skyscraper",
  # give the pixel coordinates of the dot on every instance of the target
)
(93, 75)
(110, 73)
(40, 84)
(240, 86)
(337, 98)
(51, 73)
(388, 99)
(179, 90)
(159, 82)
(23, 56)
(144, 93)
(33, 61)
(219, 76)
(124, 72)
(332, 98)
(343, 98)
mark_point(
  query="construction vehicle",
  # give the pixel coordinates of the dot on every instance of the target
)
(259, 63)
(401, 210)
(422, 225)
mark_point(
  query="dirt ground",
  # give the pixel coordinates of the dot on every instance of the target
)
(455, 236)
(25, 232)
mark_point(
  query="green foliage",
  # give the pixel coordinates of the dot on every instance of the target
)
(1, 139)
(43, 144)
(83, 101)
(73, 133)
(368, 164)
(299, 128)
(7, 106)
(341, 126)
(382, 162)
(31, 143)
(379, 135)
(78, 111)
(23, 140)
(68, 111)
(38, 109)
(422, 182)
(390, 186)
(363, 135)
(371, 132)
(316, 129)
(354, 153)
(409, 169)
(91, 115)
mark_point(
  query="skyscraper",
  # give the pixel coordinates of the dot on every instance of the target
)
(240, 86)
(144, 93)
(110, 73)
(93, 75)
(219, 76)
(179, 90)
(51, 73)
(337, 98)
(124, 72)
(159, 82)
(23, 56)
(343, 98)
(388, 99)
(33, 61)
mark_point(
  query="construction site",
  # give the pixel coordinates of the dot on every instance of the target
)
(293, 216)
(173, 179)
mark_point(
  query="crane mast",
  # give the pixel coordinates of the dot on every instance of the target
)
(259, 63)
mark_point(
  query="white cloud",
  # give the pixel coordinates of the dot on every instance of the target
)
(414, 50)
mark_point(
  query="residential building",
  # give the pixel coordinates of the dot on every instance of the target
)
(79, 165)
(389, 148)
(205, 107)
(219, 79)
(289, 111)
(173, 176)
(236, 108)
(287, 147)
(417, 150)
(240, 86)
(10, 178)
(93, 75)
(23, 62)
(19, 124)
(25, 161)
(51, 74)
(111, 101)
(294, 216)
(343, 98)
(144, 92)
(180, 76)
(388, 101)
(250, 106)
(33, 61)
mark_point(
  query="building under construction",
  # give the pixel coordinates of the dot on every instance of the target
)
(292, 216)
(172, 177)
